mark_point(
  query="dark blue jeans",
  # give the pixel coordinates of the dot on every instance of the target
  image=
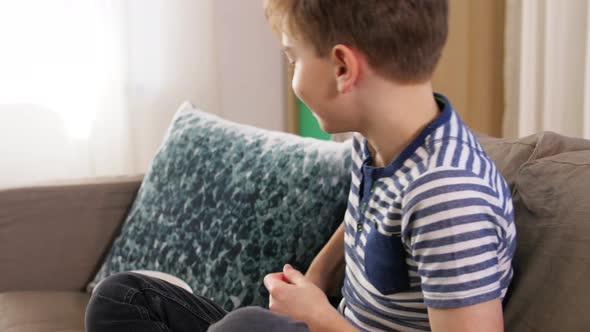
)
(128, 302)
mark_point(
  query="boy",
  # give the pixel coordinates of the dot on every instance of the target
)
(428, 237)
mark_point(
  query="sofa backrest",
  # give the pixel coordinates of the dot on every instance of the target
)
(550, 179)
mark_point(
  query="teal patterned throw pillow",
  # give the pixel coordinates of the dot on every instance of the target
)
(224, 204)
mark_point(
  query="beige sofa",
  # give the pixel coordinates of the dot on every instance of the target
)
(53, 238)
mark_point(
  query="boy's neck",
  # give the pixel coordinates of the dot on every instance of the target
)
(395, 116)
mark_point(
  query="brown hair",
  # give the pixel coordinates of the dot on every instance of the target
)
(402, 39)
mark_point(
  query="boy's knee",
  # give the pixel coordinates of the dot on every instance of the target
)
(107, 296)
(118, 280)
(257, 319)
(123, 278)
(120, 286)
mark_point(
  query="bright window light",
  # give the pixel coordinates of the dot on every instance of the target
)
(59, 54)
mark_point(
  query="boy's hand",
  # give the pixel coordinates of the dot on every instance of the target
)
(292, 294)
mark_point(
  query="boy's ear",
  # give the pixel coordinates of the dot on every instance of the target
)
(347, 67)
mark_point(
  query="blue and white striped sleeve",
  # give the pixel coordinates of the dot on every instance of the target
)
(451, 225)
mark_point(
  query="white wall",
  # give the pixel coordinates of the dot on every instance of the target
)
(250, 65)
(170, 60)
(219, 54)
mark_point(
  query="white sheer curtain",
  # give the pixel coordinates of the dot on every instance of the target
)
(88, 87)
(62, 90)
(547, 67)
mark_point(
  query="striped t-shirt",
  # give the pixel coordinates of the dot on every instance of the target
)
(433, 228)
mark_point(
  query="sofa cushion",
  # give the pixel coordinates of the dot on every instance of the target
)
(42, 311)
(509, 154)
(551, 288)
(40, 224)
(550, 144)
(224, 204)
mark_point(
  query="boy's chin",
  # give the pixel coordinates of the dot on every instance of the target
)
(331, 128)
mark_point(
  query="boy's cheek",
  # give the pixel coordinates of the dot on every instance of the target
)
(302, 96)
(302, 85)
(302, 91)
(296, 85)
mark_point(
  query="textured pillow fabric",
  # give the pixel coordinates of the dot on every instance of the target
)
(551, 288)
(224, 204)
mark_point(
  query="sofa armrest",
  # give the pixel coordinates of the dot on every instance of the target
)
(54, 236)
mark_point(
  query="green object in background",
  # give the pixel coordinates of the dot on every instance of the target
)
(308, 125)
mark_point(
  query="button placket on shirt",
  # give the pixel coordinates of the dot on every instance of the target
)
(365, 199)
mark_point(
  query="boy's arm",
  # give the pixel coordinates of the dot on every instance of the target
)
(327, 269)
(456, 248)
(294, 295)
(482, 317)
(331, 321)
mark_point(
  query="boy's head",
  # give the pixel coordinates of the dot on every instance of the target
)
(398, 40)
